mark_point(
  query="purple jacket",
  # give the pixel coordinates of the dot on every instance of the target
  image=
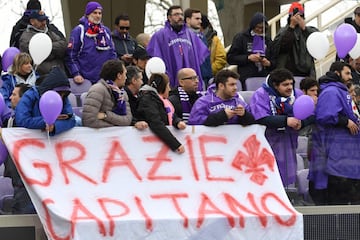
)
(178, 50)
(210, 104)
(82, 57)
(283, 140)
(334, 151)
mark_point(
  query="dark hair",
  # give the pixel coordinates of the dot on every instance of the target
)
(205, 21)
(23, 87)
(132, 72)
(307, 83)
(111, 68)
(169, 11)
(159, 81)
(122, 16)
(33, 5)
(223, 75)
(190, 11)
(338, 66)
(278, 76)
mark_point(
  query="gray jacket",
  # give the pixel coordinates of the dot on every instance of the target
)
(100, 99)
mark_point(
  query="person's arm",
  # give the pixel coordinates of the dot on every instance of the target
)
(72, 52)
(218, 55)
(150, 113)
(237, 55)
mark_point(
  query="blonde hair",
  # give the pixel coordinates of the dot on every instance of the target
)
(19, 60)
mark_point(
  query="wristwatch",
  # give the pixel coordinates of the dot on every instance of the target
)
(105, 115)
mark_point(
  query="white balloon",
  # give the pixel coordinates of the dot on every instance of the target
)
(40, 46)
(155, 65)
(318, 45)
(355, 51)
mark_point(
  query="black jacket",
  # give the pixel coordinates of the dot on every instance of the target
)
(150, 108)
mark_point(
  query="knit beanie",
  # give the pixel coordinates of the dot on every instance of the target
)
(92, 6)
(33, 5)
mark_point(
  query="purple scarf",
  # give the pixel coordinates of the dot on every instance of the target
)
(120, 105)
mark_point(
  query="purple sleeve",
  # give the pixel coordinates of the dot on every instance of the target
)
(72, 51)
(260, 104)
(199, 112)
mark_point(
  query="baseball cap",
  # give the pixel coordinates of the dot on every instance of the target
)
(298, 6)
(39, 15)
(140, 53)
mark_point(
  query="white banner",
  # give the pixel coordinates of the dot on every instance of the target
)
(121, 183)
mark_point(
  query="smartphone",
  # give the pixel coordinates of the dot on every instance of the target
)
(295, 11)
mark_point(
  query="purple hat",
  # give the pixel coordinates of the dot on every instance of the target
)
(92, 6)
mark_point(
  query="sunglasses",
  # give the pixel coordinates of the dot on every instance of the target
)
(124, 28)
(190, 78)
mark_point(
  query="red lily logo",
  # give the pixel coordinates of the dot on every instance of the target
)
(253, 160)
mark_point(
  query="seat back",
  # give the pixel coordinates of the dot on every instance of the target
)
(253, 83)
(297, 81)
(303, 182)
(73, 100)
(246, 95)
(82, 98)
(78, 89)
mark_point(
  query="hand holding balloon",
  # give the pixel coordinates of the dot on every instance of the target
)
(303, 107)
(50, 107)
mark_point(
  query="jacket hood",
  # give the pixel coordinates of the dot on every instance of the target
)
(256, 19)
(147, 88)
(55, 79)
(329, 77)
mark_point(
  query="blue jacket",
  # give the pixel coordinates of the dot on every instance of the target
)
(28, 113)
(82, 57)
(10, 81)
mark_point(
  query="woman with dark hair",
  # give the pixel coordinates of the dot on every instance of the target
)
(154, 108)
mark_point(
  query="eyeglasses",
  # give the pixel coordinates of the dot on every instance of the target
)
(124, 28)
(177, 14)
(191, 78)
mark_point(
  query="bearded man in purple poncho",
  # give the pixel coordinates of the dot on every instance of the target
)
(178, 46)
(334, 170)
(272, 106)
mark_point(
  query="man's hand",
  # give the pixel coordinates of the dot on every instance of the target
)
(353, 127)
(181, 125)
(78, 79)
(294, 123)
(141, 125)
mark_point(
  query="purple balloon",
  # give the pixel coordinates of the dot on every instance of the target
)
(303, 107)
(8, 57)
(50, 106)
(3, 152)
(345, 37)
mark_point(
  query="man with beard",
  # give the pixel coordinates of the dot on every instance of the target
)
(90, 46)
(335, 160)
(222, 103)
(272, 106)
(184, 96)
(178, 46)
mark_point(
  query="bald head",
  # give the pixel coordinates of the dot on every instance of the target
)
(188, 79)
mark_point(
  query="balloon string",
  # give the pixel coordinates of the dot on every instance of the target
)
(48, 137)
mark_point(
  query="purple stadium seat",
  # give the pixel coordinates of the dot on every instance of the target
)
(253, 83)
(78, 89)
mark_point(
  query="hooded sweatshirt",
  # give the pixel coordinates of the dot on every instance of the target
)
(28, 113)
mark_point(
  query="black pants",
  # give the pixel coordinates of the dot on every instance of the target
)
(340, 191)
